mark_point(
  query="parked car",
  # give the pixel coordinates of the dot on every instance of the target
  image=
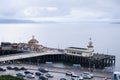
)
(16, 68)
(38, 73)
(85, 76)
(80, 78)
(2, 69)
(42, 70)
(28, 72)
(10, 68)
(88, 73)
(30, 76)
(69, 73)
(23, 68)
(49, 75)
(74, 75)
(20, 74)
(63, 79)
(42, 77)
(77, 78)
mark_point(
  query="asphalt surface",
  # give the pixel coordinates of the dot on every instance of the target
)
(56, 72)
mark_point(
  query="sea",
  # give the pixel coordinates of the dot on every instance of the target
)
(105, 36)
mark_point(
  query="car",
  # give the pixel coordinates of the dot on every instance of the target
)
(68, 73)
(28, 72)
(80, 77)
(30, 76)
(2, 69)
(85, 76)
(20, 74)
(88, 73)
(38, 73)
(23, 68)
(10, 68)
(49, 75)
(42, 70)
(42, 77)
(16, 68)
(76, 77)
(63, 79)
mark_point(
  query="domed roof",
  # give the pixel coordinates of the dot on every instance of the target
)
(33, 40)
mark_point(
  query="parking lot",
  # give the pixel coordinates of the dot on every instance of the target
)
(56, 72)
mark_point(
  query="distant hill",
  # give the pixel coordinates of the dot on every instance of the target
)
(15, 21)
(115, 23)
(10, 21)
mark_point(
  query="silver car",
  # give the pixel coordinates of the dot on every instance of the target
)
(87, 75)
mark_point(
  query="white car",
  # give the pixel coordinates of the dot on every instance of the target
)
(30, 76)
(69, 73)
(49, 75)
(77, 78)
(74, 75)
(87, 75)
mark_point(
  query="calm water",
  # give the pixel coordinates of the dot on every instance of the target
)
(105, 37)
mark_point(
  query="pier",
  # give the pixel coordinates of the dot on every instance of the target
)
(98, 61)
(34, 53)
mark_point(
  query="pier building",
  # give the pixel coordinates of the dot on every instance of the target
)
(85, 52)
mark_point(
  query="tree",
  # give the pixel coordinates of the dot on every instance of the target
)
(9, 77)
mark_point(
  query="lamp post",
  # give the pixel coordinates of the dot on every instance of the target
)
(89, 64)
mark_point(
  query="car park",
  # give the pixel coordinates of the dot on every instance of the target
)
(20, 74)
(38, 73)
(30, 76)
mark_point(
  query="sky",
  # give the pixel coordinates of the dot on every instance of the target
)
(63, 23)
(61, 10)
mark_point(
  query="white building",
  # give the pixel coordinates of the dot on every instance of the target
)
(86, 52)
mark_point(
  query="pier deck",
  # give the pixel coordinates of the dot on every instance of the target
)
(96, 61)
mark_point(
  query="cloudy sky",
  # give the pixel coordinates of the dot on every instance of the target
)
(61, 10)
(64, 34)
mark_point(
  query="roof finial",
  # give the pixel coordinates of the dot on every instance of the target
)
(90, 43)
(90, 38)
(33, 37)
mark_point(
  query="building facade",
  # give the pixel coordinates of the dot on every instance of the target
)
(32, 46)
(85, 52)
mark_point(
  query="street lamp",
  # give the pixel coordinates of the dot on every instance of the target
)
(89, 68)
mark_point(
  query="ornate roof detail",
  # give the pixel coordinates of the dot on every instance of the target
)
(33, 41)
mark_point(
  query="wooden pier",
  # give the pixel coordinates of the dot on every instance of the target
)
(98, 61)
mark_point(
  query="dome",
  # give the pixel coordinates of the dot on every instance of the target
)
(33, 41)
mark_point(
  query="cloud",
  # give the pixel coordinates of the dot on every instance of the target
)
(65, 10)
(42, 12)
